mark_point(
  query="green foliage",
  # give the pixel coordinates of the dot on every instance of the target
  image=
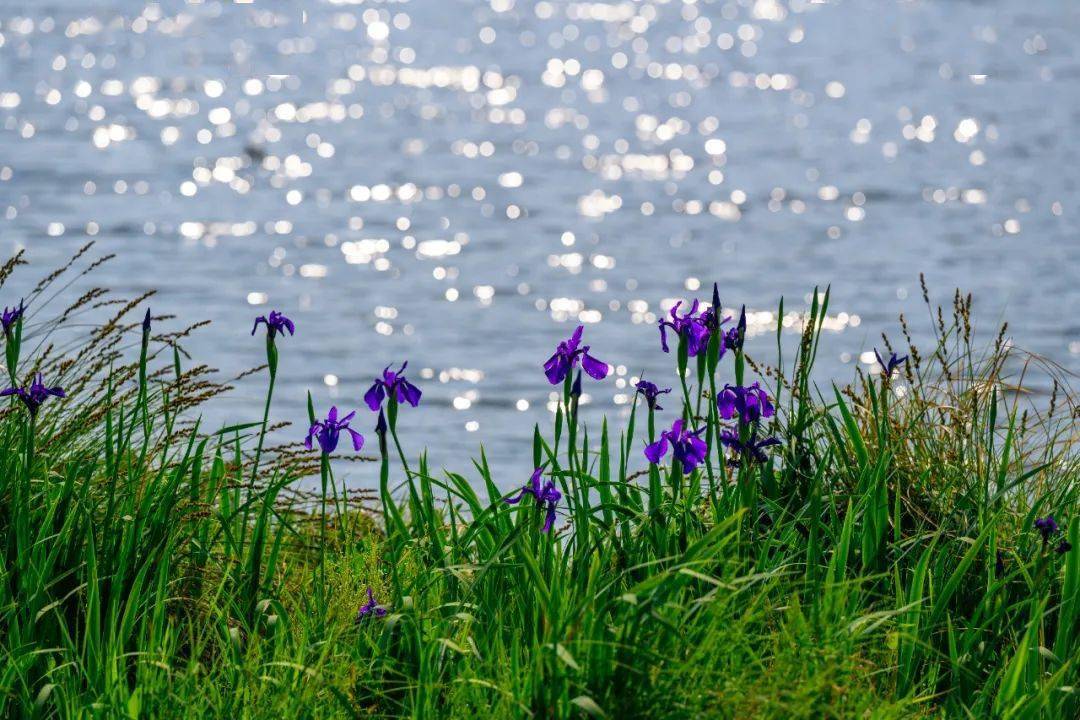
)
(151, 569)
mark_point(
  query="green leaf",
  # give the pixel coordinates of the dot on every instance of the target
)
(566, 657)
(589, 705)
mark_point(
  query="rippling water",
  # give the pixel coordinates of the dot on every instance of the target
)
(461, 183)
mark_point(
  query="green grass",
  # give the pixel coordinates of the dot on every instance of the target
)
(151, 567)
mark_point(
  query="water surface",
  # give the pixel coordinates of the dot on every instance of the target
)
(460, 184)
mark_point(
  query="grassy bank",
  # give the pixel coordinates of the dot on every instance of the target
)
(887, 556)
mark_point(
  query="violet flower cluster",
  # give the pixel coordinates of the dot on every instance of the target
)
(10, 317)
(35, 395)
(734, 337)
(275, 323)
(748, 405)
(370, 608)
(651, 393)
(566, 358)
(546, 494)
(1048, 528)
(753, 449)
(328, 432)
(392, 384)
(697, 327)
(686, 445)
(693, 326)
(889, 366)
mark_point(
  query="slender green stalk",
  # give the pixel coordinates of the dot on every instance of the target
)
(272, 365)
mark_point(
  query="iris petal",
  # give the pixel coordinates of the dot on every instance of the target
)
(549, 493)
(328, 439)
(596, 369)
(534, 480)
(516, 498)
(373, 398)
(411, 392)
(357, 439)
(725, 404)
(555, 369)
(550, 519)
(310, 433)
(663, 336)
(575, 339)
(657, 450)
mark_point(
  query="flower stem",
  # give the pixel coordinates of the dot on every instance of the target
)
(262, 429)
(324, 468)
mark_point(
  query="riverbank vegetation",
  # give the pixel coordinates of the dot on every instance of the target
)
(747, 543)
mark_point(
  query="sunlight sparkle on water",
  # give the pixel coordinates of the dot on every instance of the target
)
(407, 173)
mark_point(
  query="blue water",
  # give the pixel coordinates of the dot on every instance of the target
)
(460, 183)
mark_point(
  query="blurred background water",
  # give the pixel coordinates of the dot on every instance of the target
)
(460, 184)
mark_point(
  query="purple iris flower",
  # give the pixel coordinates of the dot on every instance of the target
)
(749, 403)
(651, 393)
(328, 432)
(713, 321)
(546, 494)
(370, 608)
(566, 357)
(275, 323)
(893, 363)
(999, 563)
(733, 338)
(33, 396)
(693, 326)
(146, 322)
(11, 316)
(752, 449)
(1047, 526)
(687, 446)
(393, 384)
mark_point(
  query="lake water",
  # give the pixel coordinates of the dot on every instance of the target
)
(460, 184)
